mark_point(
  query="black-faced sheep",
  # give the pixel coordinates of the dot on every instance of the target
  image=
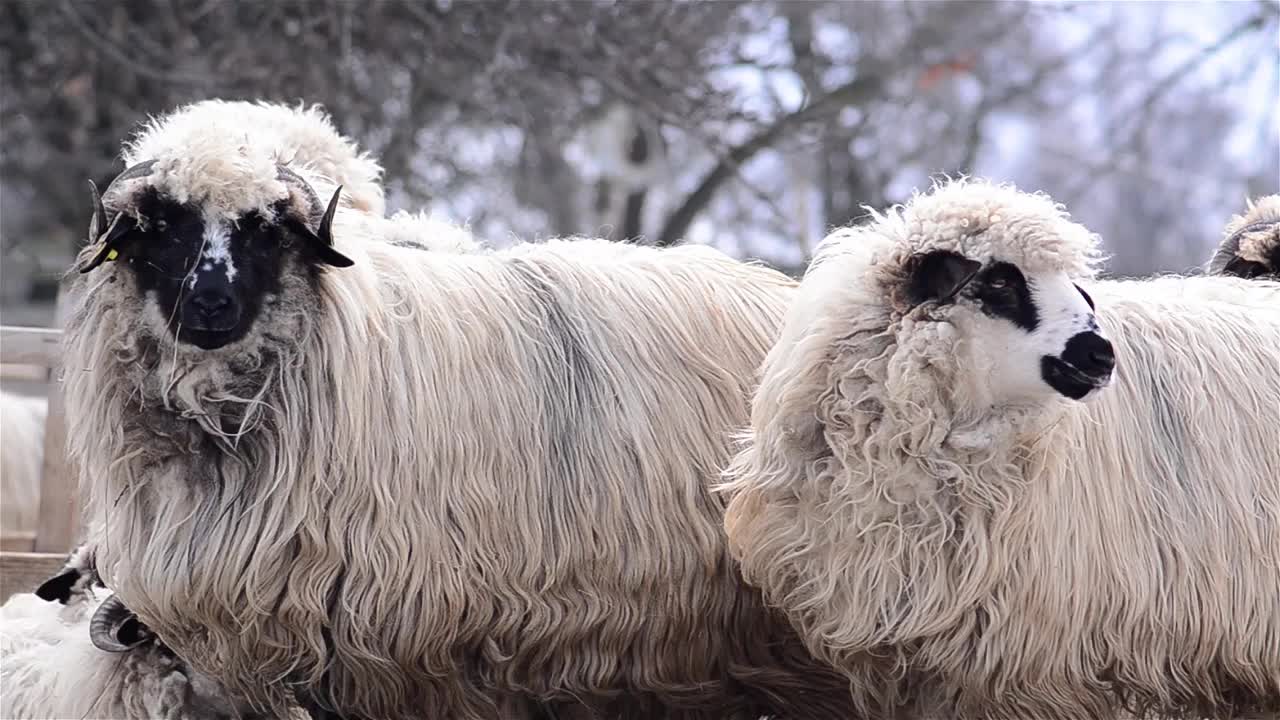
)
(924, 496)
(415, 483)
(71, 650)
(21, 460)
(1250, 244)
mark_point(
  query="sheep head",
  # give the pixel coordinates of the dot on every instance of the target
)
(1024, 333)
(1251, 245)
(207, 269)
(993, 275)
(960, 309)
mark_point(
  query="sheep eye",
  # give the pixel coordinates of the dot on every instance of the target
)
(161, 226)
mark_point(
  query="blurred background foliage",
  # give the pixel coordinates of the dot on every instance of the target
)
(753, 126)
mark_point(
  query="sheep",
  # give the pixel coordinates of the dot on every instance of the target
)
(404, 480)
(978, 497)
(21, 460)
(1251, 242)
(71, 650)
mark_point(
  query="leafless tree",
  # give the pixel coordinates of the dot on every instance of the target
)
(779, 119)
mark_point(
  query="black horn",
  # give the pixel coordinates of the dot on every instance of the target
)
(320, 217)
(99, 221)
(114, 628)
(100, 231)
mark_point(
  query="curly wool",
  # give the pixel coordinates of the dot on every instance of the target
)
(223, 155)
(1253, 236)
(456, 483)
(1060, 561)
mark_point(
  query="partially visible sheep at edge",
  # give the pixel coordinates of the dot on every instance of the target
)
(920, 489)
(71, 650)
(22, 421)
(1250, 245)
(417, 482)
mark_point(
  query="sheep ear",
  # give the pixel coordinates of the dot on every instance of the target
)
(322, 238)
(58, 588)
(108, 249)
(938, 276)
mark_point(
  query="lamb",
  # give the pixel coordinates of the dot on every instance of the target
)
(71, 650)
(940, 489)
(1251, 242)
(405, 480)
(21, 460)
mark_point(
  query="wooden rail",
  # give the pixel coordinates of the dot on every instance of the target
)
(30, 346)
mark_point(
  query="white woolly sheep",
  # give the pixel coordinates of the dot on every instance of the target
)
(21, 460)
(470, 485)
(1250, 244)
(71, 650)
(943, 524)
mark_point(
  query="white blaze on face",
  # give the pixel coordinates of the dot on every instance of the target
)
(217, 248)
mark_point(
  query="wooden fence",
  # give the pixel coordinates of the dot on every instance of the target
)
(26, 558)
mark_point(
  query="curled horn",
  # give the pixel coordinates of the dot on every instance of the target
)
(1225, 260)
(1224, 255)
(99, 229)
(114, 628)
(322, 236)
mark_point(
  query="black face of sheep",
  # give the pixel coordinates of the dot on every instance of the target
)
(1030, 331)
(209, 276)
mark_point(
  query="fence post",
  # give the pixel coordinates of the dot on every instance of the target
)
(58, 526)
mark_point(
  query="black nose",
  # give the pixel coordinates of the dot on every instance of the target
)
(211, 303)
(1091, 354)
(212, 310)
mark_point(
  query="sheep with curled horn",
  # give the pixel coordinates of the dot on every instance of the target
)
(72, 650)
(416, 482)
(1250, 246)
(961, 473)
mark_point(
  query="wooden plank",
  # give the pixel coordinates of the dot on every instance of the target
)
(23, 572)
(30, 346)
(29, 373)
(18, 541)
(58, 524)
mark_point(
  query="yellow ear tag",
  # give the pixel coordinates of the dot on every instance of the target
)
(112, 255)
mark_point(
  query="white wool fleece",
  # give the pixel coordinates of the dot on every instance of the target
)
(983, 220)
(223, 155)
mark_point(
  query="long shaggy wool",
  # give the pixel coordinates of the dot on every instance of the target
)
(222, 155)
(21, 460)
(1062, 562)
(442, 484)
